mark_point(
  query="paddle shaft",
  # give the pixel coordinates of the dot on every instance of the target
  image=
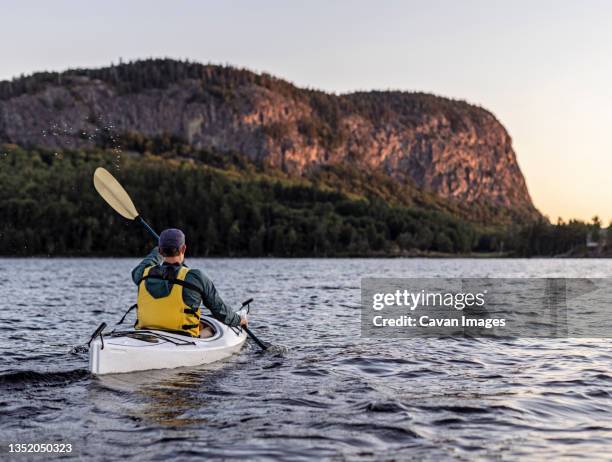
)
(146, 225)
(261, 344)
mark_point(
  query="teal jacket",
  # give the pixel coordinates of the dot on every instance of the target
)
(211, 300)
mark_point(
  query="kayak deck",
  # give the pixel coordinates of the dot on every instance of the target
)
(140, 350)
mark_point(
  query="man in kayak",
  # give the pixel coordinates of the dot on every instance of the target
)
(170, 294)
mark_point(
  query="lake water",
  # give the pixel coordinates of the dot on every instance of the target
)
(331, 395)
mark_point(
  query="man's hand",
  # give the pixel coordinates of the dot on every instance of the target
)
(243, 321)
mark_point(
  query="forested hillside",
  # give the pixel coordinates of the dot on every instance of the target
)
(231, 207)
(251, 165)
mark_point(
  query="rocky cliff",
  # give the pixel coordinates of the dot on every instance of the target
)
(456, 150)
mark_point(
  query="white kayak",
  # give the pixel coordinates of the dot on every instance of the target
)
(140, 350)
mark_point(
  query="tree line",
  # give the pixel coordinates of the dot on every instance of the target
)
(49, 207)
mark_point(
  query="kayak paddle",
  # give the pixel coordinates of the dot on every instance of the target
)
(261, 344)
(118, 198)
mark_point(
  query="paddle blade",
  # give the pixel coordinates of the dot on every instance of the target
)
(113, 193)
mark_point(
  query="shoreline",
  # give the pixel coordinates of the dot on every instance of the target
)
(432, 256)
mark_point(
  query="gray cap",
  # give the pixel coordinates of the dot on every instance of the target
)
(171, 238)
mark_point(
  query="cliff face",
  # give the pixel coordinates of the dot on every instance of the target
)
(458, 151)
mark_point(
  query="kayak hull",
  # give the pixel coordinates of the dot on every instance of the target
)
(141, 350)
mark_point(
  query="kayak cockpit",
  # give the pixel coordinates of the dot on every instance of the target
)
(143, 349)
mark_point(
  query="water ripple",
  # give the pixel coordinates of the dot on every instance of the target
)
(325, 393)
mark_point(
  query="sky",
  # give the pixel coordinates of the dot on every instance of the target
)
(544, 68)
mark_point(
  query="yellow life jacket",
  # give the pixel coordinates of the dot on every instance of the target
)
(169, 312)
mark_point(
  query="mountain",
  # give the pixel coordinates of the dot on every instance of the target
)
(457, 152)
